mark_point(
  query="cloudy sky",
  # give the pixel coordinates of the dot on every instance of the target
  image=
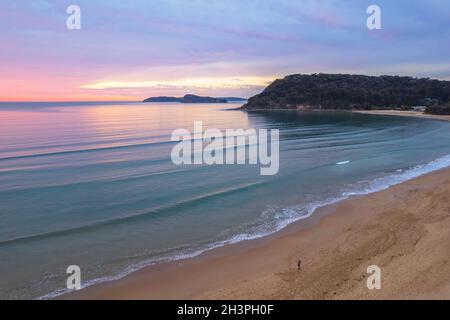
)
(129, 50)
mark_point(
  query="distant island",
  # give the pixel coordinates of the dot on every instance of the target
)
(345, 91)
(191, 98)
(162, 99)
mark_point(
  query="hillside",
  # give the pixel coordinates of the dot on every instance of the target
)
(344, 91)
(191, 98)
(162, 99)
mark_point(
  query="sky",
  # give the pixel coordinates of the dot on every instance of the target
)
(130, 50)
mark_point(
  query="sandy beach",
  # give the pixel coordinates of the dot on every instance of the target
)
(405, 230)
(416, 114)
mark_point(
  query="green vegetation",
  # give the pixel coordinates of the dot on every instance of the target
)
(344, 91)
(443, 108)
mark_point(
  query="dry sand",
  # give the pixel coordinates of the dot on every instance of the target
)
(405, 230)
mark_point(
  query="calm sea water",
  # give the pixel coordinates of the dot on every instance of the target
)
(93, 185)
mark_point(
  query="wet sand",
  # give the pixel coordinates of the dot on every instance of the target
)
(405, 230)
(416, 114)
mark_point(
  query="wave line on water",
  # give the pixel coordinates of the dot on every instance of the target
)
(288, 216)
(128, 218)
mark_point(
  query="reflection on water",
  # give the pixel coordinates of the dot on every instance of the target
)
(93, 184)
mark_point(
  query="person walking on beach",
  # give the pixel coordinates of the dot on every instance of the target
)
(299, 264)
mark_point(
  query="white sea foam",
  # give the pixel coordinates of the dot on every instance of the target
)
(281, 218)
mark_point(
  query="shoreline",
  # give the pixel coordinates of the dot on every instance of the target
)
(387, 112)
(235, 271)
(355, 228)
(416, 114)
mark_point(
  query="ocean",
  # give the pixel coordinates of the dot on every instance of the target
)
(93, 184)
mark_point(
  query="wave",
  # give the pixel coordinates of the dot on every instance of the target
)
(108, 147)
(86, 150)
(128, 218)
(279, 219)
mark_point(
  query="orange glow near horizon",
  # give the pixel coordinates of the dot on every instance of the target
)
(20, 85)
(58, 89)
(92, 98)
